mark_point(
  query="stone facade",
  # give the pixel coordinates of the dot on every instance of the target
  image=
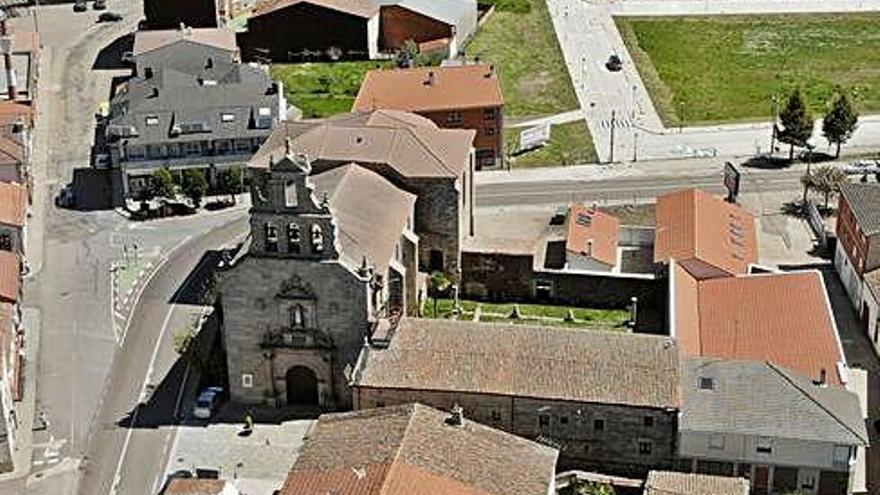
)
(608, 438)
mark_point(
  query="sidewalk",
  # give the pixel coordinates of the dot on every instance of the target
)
(24, 409)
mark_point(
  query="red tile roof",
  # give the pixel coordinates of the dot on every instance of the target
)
(360, 8)
(13, 203)
(593, 233)
(410, 449)
(694, 225)
(781, 318)
(426, 89)
(10, 276)
(195, 486)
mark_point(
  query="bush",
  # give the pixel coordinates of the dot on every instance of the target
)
(194, 185)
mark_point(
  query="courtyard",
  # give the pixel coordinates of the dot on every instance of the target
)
(324, 89)
(529, 314)
(710, 69)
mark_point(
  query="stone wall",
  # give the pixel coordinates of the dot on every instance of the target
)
(614, 448)
(253, 304)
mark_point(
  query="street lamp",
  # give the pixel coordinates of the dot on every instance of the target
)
(775, 99)
(810, 148)
(681, 116)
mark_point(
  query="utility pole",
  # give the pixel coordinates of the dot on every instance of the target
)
(6, 48)
(613, 123)
(775, 100)
(635, 145)
(680, 116)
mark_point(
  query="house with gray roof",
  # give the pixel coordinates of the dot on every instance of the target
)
(211, 119)
(609, 400)
(196, 51)
(857, 255)
(781, 430)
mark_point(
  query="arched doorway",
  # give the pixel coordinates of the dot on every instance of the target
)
(302, 386)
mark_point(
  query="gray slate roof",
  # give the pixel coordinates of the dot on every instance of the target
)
(526, 361)
(755, 398)
(864, 200)
(182, 99)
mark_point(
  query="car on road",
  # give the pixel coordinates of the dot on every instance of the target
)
(614, 64)
(207, 402)
(109, 17)
(99, 4)
(65, 198)
(80, 6)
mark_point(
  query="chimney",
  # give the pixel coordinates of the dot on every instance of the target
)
(491, 72)
(181, 27)
(822, 381)
(154, 93)
(430, 80)
(456, 416)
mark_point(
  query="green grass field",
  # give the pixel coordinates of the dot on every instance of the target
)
(726, 68)
(531, 314)
(570, 144)
(519, 39)
(323, 89)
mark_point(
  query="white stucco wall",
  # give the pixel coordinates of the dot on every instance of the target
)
(373, 36)
(847, 275)
(873, 317)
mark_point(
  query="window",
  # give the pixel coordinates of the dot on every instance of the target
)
(489, 131)
(247, 380)
(135, 152)
(543, 420)
(645, 447)
(489, 114)
(841, 455)
(563, 420)
(152, 120)
(599, 424)
(764, 446)
(227, 117)
(242, 146)
(808, 482)
(648, 421)
(293, 245)
(148, 72)
(454, 117)
(380, 403)
(317, 239)
(5, 241)
(496, 415)
(193, 148)
(707, 383)
(271, 234)
(716, 442)
(264, 118)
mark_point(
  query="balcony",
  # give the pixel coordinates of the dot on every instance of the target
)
(296, 338)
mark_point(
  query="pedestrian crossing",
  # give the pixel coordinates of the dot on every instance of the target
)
(619, 123)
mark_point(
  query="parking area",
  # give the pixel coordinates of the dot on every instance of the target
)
(256, 463)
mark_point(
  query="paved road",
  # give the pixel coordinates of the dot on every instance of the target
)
(620, 101)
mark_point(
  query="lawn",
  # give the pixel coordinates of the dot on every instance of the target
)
(570, 144)
(519, 39)
(323, 89)
(531, 314)
(710, 69)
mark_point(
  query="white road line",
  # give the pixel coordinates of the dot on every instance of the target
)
(117, 476)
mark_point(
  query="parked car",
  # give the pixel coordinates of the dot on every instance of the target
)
(109, 17)
(99, 4)
(65, 198)
(80, 6)
(207, 402)
(614, 63)
(102, 160)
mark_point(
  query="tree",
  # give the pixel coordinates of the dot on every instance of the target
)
(438, 283)
(593, 488)
(840, 121)
(797, 123)
(406, 55)
(194, 185)
(231, 180)
(163, 184)
(825, 180)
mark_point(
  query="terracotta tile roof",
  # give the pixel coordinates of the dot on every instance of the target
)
(524, 361)
(692, 224)
(360, 8)
(410, 449)
(370, 212)
(782, 318)
(10, 276)
(412, 145)
(593, 233)
(13, 203)
(11, 151)
(147, 41)
(864, 201)
(194, 486)
(452, 88)
(13, 111)
(672, 483)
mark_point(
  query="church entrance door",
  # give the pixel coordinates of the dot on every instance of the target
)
(302, 386)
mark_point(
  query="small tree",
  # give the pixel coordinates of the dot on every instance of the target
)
(194, 185)
(163, 183)
(825, 180)
(593, 488)
(840, 121)
(406, 55)
(797, 123)
(231, 180)
(438, 283)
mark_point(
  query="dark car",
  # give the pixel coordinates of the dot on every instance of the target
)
(109, 17)
(99, 4)
(614, 64)
(80, 6)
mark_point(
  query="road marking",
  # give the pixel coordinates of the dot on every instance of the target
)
(117, 476)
